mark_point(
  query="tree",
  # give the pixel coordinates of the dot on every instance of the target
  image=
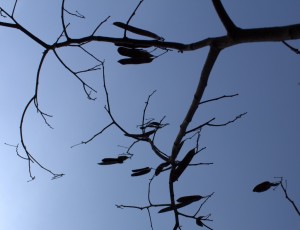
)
(189, 138)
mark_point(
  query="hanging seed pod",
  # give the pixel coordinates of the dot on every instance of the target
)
(153, 124)
(169, 208)
(135, 61)
(264, 186)
(136, 30)
(121, 159)
(141, 171)
(110, 161)
(190, 199)
(160, 168)
(199, 222)
(142, 135)
(134, 53)
(182, 165)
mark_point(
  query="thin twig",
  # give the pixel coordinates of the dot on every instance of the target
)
(31, 159)
(296, 51)
(22, 29)
(61, 34)
(15, 5)
(94, 136)
(77, 14)
(218, 98)
(207, 197)
(149, 214)
(100, 24)
(131, 16)
(17, 151)
(145, 108)
(85, 85)
(228, 122)
(289, 199)
(200, 126)
(63, 19)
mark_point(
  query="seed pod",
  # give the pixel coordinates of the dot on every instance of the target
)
(182, 165)
(136, 30)
(121, 159)
(135, 61)
(169, 208)
(199, 222)
(191, 199)
(153, 124)
(141, 172)
(159, 168)
(110, 161)
(142, 135)
(140, 169)
(134, 53)
(264, 186)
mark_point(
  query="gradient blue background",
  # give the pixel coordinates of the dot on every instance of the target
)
(264, 144)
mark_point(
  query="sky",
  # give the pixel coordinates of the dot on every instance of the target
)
(262, 145)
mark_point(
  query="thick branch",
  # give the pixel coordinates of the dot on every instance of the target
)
(226, 20)
(210, 61)
(275, 34)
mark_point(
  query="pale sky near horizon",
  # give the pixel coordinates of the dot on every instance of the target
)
(260, 146)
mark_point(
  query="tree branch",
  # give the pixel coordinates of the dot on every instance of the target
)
(289, 199)
(296, 51)
(131, 16)
(224, 17)
(21, 28)
(209, 63)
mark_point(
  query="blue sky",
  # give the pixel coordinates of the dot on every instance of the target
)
(263, 144)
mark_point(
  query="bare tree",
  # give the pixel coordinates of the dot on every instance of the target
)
(141, 51)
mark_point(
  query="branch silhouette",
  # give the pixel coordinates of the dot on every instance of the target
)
(138, 51)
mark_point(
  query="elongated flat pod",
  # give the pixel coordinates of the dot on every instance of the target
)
(135, 61)
(134, 53)
(186, 199)
(136, 30)
(122, 158)
(160, 168)
(141, 172)
(140, 169)
(142, 135)
(170, 208)
(110, 161)
(182, 165)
